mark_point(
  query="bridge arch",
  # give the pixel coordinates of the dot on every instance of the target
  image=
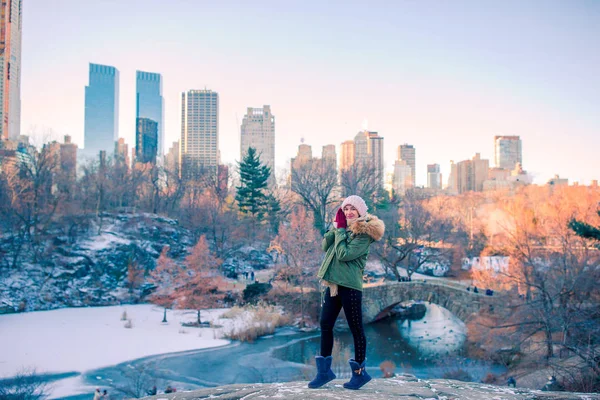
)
(455, 298)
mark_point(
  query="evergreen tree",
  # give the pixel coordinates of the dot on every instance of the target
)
(274, 209)
(586, 230)
(251, 195)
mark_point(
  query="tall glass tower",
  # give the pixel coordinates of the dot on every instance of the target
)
(101, 110)
(146, 137)
(150, 104)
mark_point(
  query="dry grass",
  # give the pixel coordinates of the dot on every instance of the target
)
(124, 316)
(233, 313)
(261, 320)
(128, 324)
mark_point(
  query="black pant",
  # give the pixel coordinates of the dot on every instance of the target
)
(351, 301)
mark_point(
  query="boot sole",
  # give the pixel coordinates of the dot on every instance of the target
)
(356, 388)
(321, 385)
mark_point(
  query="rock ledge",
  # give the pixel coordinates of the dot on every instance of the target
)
(405, 387)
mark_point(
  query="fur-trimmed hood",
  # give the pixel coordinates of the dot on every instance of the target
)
(370, 225)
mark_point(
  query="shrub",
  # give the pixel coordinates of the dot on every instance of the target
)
(254, 291)
(25, 385)
(128, 324)
(291, 301)
(124, 316)
(387, 369)
(490, 378)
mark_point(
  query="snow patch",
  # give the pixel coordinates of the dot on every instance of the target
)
(82, 339)
(104, 241)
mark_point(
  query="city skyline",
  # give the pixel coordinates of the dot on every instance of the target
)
(462, 77)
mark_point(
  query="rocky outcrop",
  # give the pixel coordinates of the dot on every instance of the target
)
(90, 268)
(87, 264)
(405, 387)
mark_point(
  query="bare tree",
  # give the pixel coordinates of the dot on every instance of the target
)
(139, 379)
(173, 191)
(11, 227)
(26, 385)
(554, 271)
(299, 246)
(416, 238)
(33, 199)
(314, 181)
(362, 179)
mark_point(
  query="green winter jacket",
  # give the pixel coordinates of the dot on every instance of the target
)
(346, 251)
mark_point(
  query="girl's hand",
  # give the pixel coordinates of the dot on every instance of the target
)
(340, 219)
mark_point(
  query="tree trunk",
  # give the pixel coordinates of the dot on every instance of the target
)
(165, 315)
(549, 347)
(396, 272)
(302, 303)
(199, 321)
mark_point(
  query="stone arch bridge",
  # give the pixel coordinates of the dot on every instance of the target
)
(377, 300)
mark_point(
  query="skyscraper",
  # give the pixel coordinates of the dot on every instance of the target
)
(507, 152)
(347, 155)
(68, 158)
(121, 153)
(101, 110)
(434, 176)
(146, 140)
(302, 159)
(402, 177)
(368, 149)
(199, 133)
(258, 131)
(10, 68)
(361, 147)
(470, 174)
(376, 152)
(149, 104)
(453, 178)
(328, 154)
(407, 152)
(304, 156)
(172, 158)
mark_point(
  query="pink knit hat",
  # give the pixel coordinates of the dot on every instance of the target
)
(358, 203)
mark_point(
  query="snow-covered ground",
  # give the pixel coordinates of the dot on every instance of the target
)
(83, 339)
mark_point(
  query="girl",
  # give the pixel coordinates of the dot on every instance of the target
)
(347, 248)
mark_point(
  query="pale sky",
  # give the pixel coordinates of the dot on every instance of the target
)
(444, 76)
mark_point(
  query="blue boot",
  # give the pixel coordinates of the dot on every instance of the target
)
(324, 372)
(360, 377)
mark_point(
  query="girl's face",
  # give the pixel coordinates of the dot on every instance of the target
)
(350, 212)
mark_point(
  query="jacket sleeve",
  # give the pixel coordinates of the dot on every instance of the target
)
(356, 248)
(328, 240)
